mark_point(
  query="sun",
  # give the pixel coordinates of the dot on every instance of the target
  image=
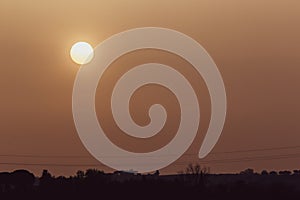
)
(82, 53)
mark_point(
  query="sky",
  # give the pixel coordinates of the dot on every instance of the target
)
(255, 44)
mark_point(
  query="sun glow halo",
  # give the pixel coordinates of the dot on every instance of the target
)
(82, 53)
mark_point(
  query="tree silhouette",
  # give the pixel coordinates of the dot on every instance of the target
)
(196, 173)
(247, 172)
(22, 179)
(264, 172)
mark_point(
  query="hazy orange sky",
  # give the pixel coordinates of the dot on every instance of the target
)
(255, 44)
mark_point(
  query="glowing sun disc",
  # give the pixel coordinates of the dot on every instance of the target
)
(82, 53)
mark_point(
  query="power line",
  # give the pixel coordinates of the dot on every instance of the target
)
(254, 158)
(186, 154)
(262, 149)
(42, 156)
(50, 164)
(215, 161)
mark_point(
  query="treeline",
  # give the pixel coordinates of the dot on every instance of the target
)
(193, 183)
